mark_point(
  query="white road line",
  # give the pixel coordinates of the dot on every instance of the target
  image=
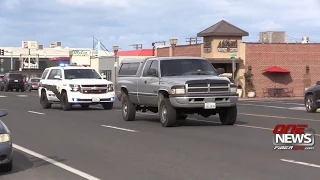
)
(61, 165)
(22, 95)
(34, 112)
(301, 163)
(2, 96)
(277, 107)
(123, 129)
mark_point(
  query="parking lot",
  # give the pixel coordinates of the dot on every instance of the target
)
(98, 144)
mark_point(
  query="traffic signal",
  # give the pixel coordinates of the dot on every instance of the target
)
(2, 52)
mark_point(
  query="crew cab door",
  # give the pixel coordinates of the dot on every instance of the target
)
(148, 85)
(50, 84)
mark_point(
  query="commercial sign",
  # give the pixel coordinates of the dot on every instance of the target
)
(29, 44)
(228, 46)
(81, 53)
(97, 48)
(293, 137)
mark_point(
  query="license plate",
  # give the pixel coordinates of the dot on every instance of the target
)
(16, 81)
(210, 105)
(95, 99)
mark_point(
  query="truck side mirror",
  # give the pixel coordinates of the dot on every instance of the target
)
(220, 71)
(151, 72)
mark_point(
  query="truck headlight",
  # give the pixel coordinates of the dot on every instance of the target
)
(110, 88)
(4, 138)
(74, 87)
(177, 90)
(233, 89)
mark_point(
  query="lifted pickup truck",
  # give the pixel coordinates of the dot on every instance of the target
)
(175, 87)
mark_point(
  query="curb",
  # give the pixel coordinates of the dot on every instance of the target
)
(270, 99)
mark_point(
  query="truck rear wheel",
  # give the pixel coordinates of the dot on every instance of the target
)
(128, 109)
(228, 116)
(168, 115)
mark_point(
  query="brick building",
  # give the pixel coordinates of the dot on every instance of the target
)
(297, 61)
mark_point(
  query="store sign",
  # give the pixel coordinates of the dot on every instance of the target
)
(228, 46)
(81, 53)
(29, 44)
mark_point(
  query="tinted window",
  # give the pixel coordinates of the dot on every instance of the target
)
(35, 80)
(44, 74)
(16, 76)
(129, 68)
(81, 74)
(146, 68)
(185, 67)
(54, 72)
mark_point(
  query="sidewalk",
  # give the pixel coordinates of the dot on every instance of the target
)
(271, 99)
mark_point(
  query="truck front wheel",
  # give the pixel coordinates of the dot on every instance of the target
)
(128, 109)
(168, 115)
(228, 116)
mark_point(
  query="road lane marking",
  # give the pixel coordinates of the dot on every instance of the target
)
(195, 119)
(22, 95)
(301, 163)
(279, 117)
(2, 96)
(56, 163)
(277, 107)
(123, 129)
(34, 112)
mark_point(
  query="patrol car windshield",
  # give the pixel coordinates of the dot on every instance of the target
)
(81, 74)
(185, 67)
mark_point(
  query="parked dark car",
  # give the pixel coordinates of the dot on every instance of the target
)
(32, 84)
(312, 98)
(12, 81)
(6, 150)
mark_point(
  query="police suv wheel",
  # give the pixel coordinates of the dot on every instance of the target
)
(128, 109)
(168, 115)
(44, 101)
(228, 116)
(310, 104)
(107, 106)
(66, 106)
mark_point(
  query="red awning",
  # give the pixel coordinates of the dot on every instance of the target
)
(276, 69)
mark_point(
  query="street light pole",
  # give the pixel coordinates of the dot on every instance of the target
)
(173, 42)
(11, 59)
(115, 50)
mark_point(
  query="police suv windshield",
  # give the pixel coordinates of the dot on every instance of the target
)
(185, 67)
(81, 74)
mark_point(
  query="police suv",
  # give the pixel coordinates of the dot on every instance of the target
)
(70, 85)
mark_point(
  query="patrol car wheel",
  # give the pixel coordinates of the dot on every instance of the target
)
(44, 101)
(66, 106)
(107, 106)
(228, 116)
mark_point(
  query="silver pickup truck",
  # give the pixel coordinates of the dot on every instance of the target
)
(175, 87)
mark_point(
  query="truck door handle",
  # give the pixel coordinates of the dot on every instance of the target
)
(145, 82)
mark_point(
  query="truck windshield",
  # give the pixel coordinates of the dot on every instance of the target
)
(185, 67)
(81, 74)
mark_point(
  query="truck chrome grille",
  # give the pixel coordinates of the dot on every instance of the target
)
(212, 86)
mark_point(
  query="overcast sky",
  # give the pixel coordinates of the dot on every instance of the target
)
(125, 22)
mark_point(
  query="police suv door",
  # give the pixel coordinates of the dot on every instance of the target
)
(51, 84)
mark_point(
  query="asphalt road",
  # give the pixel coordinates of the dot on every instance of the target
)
(98, 144)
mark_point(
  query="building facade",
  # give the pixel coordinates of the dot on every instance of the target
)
(278, 69)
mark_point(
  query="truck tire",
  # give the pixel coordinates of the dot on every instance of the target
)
(128, 109)
(229, 116)
(182, 117)
(66, 106)
(167, 113)
(44, 101)
(7, 167)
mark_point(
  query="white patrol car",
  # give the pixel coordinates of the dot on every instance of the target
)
(70, 85)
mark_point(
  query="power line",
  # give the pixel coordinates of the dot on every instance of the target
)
(136, 46)
(193, 40)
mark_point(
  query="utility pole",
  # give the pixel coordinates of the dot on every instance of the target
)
(154, 45)
(136, 46)
(193, 40)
